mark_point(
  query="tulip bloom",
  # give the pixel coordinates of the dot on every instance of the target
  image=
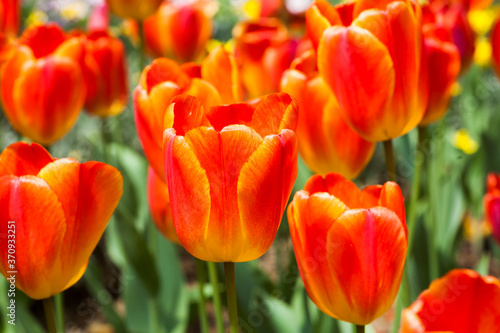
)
(326, 142)
(370, 53)
(159, 206)
(350, 245)
(230, 170)
(60, 209)
(492, 204)
(495, 44)
(105, 75)
(180, 30)
(42, 84)
(134, 9)
(164, 79)
(9, 17)
(264, 50)
(461, 302)
(443, 63)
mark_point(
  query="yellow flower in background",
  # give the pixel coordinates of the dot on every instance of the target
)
(481, 21)
(475, 229)
(482, 54)
(36, 17)
(251, 9)
(456, 89)
(213, 43)
(75, 10)
(463, 141)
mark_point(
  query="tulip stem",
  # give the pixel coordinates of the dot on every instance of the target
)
(389, 160)
(214, 280)
(48, 306)
(202, 276)
(59, 305)
(231, 296)
(360, 328)
(142, 44)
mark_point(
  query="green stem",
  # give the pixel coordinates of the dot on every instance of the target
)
(214, 280)
(202, 276)
(106, 139)
(389, 160)
(153, 300)
(360, 328)
(48, 306)
(231, 296)
(142, 44)
(59, 304)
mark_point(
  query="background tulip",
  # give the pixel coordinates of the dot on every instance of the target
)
(159, 206)
(230, 170)
(326, 142)
(164, 79)
(60, 208)
(105, 75)
(443, 61)
(9, 16)
(492, 204)
(135, 9)
(462, 302)
(495, 44)
(350, 245)
(370, 54)
(42, 84)
(180, 30)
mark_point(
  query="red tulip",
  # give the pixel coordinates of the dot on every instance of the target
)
(165, 79)
(350, 245)
(495, 44)
(492, 204)
(326, 142)
(180, 30)
(42, 84)
(461, 302)
(105, 75)
(9, 16)
(159, 206)
(59, 210)
(135, 9)
(371, 55)
(443, 61)
(264, 50)
(230, 170)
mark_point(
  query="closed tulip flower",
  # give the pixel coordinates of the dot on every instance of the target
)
(443, 62)
(461, 302)
(370, 53)
(59, 208)
(42, 84)
(326, 143)
(230, 170)
(350, 245)
(180, 30)
(105, 75)
(9, 17)
(495, 45)
(492, 205)
(134, 9)
(159, 206)
(164, 79)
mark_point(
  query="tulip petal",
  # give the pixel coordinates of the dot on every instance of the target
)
(184, 113)
(392, 198)
(205, 92)
(43, 39)
(21, 158)
(274, 113)
(39, 224)
(221, 116)
(163, 70)
(364, 270)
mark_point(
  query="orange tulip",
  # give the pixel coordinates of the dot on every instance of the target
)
(492, 204)
(105, 75)
(159, 206)
(180, 30)
(165, 79)
(9, 17)
(59, 210)
(495, 44)
(461, 302)
(42, 84)
(326, 142)
(7, 47)
(370, 53)
(264, 50)
(350, 245)
(135, 9)
(230, 170)
(443, 61)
